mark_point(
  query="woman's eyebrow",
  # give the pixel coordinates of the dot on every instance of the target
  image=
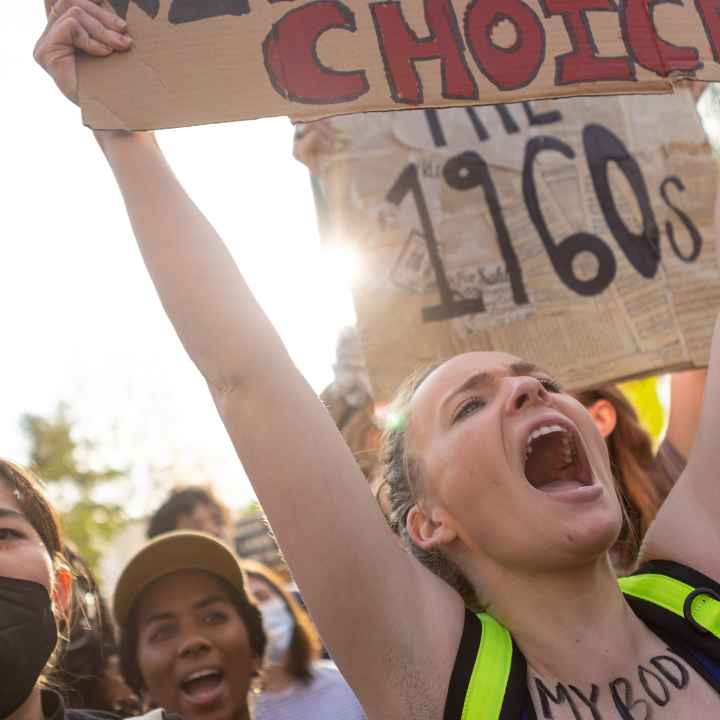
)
(210, 600)
(479, 379)
(158, 617)
(474, 381)
(162, 615)
(525, 368)
(13, 514)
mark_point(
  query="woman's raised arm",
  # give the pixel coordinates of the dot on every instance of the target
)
(364, 591)
(391, 625)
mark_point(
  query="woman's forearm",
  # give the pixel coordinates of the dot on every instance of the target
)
(216, 317)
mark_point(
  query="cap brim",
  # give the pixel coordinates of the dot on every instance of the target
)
(170, 553)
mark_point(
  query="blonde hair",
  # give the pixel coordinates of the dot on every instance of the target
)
(401, 487)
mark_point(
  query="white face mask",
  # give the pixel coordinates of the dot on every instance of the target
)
(279, 626)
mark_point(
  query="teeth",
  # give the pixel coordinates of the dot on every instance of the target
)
(540, 432)
(568, 449)
(201, 674)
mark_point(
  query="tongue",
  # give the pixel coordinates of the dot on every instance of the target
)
(559, 486)
(202, 688)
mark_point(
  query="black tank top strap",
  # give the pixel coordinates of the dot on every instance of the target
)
(516, 703)
(463, 668)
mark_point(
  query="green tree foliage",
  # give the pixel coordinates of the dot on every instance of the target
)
(82, 494)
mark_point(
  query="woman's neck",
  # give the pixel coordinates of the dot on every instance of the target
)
(31, 709)
(573, 626)
(246, 712)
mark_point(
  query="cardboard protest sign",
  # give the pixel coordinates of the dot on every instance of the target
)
(577, 234)
(199, 61)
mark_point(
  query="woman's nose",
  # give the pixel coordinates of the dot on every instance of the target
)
(193, 645)
(524, 392)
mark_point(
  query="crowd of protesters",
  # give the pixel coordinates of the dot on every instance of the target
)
(197, 632)
(202, 628)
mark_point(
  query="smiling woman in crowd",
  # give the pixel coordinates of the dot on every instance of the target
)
(500, 487)
(191, 639)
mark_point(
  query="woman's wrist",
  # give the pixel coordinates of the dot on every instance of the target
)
(112, 140)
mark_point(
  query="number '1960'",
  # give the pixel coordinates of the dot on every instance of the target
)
(468, 171)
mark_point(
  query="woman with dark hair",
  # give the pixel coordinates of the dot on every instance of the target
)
(499, 482)
(191, 639)
(644, 478)
(87, 671)
(296, 683)
(35, 600)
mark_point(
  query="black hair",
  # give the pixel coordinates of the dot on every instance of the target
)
(182, 502)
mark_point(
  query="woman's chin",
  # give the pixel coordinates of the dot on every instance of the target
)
(593, 538)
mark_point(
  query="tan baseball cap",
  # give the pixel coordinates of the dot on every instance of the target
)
(170, 553)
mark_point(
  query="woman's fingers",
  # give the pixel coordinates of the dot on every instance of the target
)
(77, 25)
(92, 7)
(317, 137)
(56, 53)
(78, 37)
(100, 25)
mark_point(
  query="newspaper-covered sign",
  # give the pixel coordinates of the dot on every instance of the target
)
(199, 61)
(577, 234)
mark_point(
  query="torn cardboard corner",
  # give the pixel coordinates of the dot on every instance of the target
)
(577, 234)
(202, 61)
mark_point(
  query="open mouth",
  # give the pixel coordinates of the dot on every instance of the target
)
(203, 686)
(555, 459)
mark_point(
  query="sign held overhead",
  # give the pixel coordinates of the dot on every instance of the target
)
(576, 234)
(198, 61)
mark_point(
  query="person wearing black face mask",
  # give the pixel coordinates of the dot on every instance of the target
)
(28, 635)
(35, 593)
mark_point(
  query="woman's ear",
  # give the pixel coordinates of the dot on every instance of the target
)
(605, 416)
(62, 589)
(428, 528)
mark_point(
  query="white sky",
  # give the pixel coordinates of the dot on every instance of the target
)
(79, 319)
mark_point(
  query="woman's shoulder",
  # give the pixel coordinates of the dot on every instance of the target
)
(326, 669)
(326, 696)
(75, 714)
(326, 676)
(158, 714)
(54, 708)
